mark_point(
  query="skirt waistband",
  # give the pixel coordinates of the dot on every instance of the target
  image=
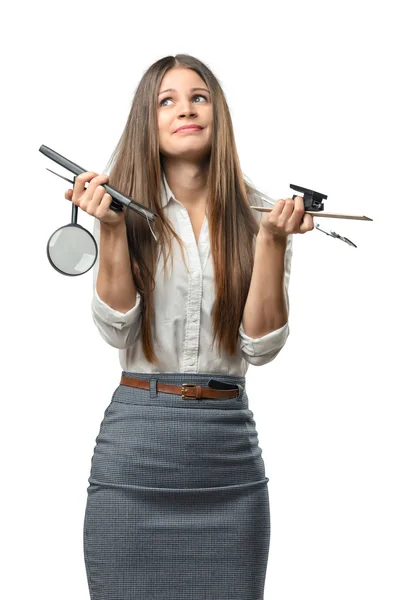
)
(180, 378)
(153, 394)
(214, 389)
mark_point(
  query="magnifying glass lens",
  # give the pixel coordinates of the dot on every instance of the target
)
(72, 250)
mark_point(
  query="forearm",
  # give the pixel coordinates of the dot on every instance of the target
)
(265, 308)
(115, 285)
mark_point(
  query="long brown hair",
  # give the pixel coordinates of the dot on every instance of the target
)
(137, 172)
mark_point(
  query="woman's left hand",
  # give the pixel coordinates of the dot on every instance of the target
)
(288, 216)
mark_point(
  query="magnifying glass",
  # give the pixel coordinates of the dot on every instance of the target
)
(72, 249)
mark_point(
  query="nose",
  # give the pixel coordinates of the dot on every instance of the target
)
(188, 110)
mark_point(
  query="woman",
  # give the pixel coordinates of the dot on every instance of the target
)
(178, 505)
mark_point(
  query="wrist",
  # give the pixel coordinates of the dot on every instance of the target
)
(265, 236)
(112, 228)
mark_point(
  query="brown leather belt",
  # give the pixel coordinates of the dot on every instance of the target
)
(185, 390)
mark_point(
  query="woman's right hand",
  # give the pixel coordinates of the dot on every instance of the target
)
(94, 199)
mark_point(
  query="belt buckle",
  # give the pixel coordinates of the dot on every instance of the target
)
(186, 385)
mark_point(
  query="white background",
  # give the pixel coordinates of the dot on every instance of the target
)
(310, 87)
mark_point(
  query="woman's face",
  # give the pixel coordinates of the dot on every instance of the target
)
(184, 106)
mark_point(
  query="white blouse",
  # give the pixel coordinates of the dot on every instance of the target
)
(183, 305)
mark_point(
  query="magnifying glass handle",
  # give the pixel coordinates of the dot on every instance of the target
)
(74, 213)
(74, 206)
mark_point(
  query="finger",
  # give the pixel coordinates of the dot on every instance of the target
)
(307, 224)
(92, 197)
(285, 216)
(299, 203)
(289, 206)
(278, 208)
(299, 213)
(91, 189)
(81, 180)
(95, 203)
(104, 205)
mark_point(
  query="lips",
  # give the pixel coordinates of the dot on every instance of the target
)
(189, 128)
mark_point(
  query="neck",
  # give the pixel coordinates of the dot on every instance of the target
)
(188, 182)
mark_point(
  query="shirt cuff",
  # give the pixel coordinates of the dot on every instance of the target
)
(267, 344)
(113, 317)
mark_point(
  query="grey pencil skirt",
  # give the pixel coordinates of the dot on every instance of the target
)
(177, 503)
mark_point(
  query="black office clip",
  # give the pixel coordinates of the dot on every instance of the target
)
(312, 200)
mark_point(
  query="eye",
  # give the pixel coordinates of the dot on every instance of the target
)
(195, 96)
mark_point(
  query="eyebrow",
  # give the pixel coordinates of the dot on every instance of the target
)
(192, 90)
